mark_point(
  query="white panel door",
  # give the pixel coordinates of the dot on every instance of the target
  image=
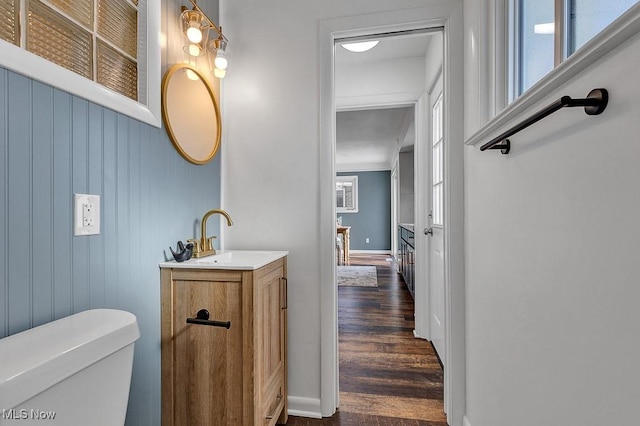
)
(436, 218)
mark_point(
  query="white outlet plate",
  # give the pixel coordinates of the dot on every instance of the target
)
(86, 214)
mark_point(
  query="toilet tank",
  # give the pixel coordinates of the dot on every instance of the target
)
(73, 371)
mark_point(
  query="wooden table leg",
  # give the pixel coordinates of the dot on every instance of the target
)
(346, 243)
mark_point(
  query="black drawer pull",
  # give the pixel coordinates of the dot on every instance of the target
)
(202, 318)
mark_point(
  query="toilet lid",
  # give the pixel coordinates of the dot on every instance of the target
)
(36, 359)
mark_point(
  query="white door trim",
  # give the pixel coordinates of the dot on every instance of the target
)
(449, 17)
(394, 209)
(422, 185)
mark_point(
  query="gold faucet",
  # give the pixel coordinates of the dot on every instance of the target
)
(204, 246)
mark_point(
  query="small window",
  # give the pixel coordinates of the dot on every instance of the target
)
(546, 32)
(85, 46)
(535, 41)
(437, 163)
(588, 17)
(347, 194)
(64, 33)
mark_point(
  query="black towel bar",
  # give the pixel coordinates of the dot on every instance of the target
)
(595, 102)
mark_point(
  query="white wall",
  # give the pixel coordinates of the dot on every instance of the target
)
(407, 198)
(552, 259)
(271, 152)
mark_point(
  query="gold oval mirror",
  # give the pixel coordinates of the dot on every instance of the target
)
(190, 113)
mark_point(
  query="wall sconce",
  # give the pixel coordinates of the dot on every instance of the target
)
(196, 26)
(218, 60)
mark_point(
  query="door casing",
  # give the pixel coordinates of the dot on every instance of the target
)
(449, 17)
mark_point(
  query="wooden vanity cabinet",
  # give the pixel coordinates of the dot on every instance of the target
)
(217, 376)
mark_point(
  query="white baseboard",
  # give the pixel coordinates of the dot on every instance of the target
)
(304, 407)
(465, 421)
(370, 251)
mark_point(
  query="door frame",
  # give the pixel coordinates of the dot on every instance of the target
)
(450, 18)
(394, 209)
(422, 197)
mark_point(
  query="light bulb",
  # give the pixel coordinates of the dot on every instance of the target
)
(219, 73)
(193, 32)
(221, 61)
(194, 50)
(191, 75)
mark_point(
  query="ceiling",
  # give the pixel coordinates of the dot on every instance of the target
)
(368, 139)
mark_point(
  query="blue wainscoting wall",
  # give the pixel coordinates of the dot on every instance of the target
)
(53, 145)
(373, 219)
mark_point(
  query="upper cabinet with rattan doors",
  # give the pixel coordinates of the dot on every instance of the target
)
(224, 359)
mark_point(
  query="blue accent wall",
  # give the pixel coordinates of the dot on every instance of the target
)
(373, 219)
(53, 145)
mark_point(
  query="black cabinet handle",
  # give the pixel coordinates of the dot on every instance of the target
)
(202, 318)
(284, 304)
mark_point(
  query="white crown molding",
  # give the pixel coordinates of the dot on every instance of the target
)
(371, 167)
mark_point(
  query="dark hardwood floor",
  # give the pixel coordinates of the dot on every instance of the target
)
(387, 377)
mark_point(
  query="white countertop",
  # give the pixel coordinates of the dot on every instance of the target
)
(230, 259)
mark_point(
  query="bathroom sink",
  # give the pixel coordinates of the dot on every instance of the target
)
(230, 259)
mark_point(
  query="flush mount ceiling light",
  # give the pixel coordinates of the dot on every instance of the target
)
(361, 46)
(196, 26)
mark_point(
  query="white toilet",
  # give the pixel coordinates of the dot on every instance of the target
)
(75, 371)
